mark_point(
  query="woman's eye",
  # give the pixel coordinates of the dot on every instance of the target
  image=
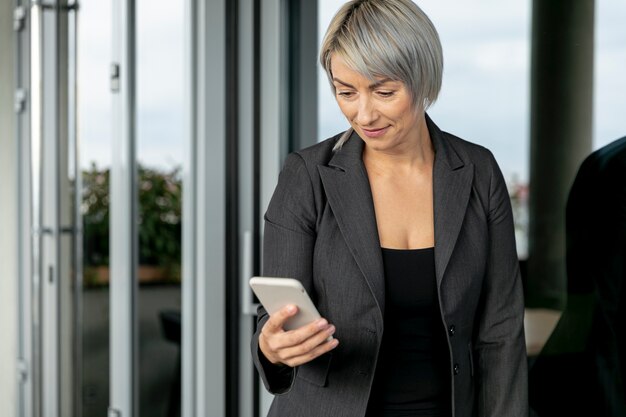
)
(385, 93)
(345, 94)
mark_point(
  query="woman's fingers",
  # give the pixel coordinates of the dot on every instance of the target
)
(309, 356)
(278, 338)
(277, 320)
(298, 336)
(306, 347)
(298, 346)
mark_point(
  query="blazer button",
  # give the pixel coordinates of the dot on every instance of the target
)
(456, 369)
(452, 330)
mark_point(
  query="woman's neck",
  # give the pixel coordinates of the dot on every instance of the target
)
(416, 154)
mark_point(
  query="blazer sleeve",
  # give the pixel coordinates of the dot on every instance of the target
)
(288, 244)
(499, 347)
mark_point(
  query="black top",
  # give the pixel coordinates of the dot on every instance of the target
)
(412, 373)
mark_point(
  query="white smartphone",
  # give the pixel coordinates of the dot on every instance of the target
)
(276, 293)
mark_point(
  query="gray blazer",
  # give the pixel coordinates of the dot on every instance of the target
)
(320, 228)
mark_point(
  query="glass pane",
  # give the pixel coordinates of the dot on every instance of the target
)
(609, 81)
(486, 49)
(94, 136)
(159, 152)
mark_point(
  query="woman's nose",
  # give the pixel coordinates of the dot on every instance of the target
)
(366, 113)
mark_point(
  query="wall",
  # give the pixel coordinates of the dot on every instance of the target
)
(8, 216)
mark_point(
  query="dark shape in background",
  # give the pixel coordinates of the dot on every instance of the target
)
(582, 368)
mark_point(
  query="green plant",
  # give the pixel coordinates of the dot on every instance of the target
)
(159, 218)
(160, 198)
(95, 211)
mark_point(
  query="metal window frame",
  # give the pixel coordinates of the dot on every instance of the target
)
(248, 135)
(33, 156)
(9, 215)
(302, 46)
(233, 283)
(273, 123)
(206, 311)
(49, 230)
(76, 220)
(188, 345)
(278, 114)
(27, 403)
(204, 234)
(123, 400)
(46, 376)
(255, 152)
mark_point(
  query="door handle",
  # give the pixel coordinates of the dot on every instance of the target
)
(248, 306)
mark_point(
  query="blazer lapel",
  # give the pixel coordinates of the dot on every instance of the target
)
(350, 197)
(452, 184)
(349, 194)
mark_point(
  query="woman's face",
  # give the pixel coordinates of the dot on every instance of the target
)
(381, 112)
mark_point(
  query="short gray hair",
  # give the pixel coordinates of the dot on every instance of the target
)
(386, 38)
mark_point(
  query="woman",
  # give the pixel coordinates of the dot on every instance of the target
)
(403, 236)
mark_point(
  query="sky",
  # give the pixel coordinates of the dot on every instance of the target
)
(486, 47)
(485, 92)
(159, 83)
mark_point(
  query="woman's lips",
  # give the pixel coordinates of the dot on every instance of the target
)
(374, 133)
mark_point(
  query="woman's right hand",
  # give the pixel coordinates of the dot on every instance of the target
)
(295, 347)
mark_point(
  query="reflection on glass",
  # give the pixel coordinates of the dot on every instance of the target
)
(94, 138)
(159, 154)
